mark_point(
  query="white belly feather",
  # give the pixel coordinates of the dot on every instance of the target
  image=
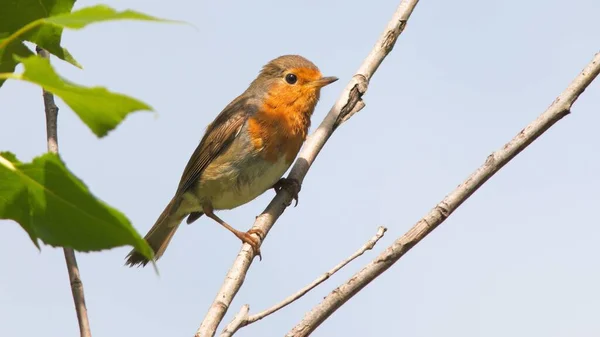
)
(255, 179)
(230, 180)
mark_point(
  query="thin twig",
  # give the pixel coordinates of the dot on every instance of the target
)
(74, 278)
(494, 162)
(242, 319)
(347, 104)
(239, 320)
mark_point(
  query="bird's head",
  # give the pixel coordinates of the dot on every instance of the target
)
(291, 80)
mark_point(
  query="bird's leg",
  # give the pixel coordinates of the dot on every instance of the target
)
(246, 237)
(291, 185)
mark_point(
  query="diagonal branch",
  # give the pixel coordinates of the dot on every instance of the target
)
(72, 268)
(347, 105)
(494, 162)
(242, 319)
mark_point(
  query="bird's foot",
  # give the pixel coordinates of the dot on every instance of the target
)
(252, 241)
(291, 185)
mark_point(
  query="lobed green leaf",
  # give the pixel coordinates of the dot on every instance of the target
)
(7, 61)
(42, 22)
(86, 16)
(17, 14)
(54, 206)
(101, 110)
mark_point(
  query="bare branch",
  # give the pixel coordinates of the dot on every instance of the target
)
(242, 319)
(77, 291)
(239, 320)
(557, 110)
(347, 104)
(72, 268)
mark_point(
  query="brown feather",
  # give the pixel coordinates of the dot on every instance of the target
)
(193, 217)
(158, 237)
(219, 134)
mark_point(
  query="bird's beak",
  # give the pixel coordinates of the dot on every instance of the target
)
(323, 81)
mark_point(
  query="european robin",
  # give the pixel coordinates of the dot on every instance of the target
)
(245, 151)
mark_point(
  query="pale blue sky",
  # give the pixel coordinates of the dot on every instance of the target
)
(519, 258)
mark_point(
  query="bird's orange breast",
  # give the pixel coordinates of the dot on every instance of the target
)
(280, 125)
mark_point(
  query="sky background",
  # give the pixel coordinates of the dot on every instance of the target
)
(519, 258)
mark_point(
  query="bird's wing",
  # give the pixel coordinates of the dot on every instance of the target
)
(219, 135)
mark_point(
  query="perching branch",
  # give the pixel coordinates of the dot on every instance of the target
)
(557, 110)
(347, 105)
(72, 268)
(242, 319)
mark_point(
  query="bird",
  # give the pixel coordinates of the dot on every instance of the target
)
(244, 151)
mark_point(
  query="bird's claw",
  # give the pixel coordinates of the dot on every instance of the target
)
(253, 242)
(291, 185)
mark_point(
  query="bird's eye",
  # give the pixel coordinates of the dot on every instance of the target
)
(291, 78)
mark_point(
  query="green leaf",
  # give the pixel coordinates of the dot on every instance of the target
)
(54, 206)
(16, 14)
(99, 13)
(100, 109)
(42, 21)
(7, 61)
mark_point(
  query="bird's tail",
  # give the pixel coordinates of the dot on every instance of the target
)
(158, 237)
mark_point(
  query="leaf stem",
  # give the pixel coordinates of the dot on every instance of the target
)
(7, 164)
(6, 76)
(20, 32)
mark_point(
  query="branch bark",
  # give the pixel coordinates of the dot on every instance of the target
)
(494, 162)
(242, 318)
(349, 103)
(75, 280)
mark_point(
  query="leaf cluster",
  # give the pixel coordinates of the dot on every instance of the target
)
(49, 202)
